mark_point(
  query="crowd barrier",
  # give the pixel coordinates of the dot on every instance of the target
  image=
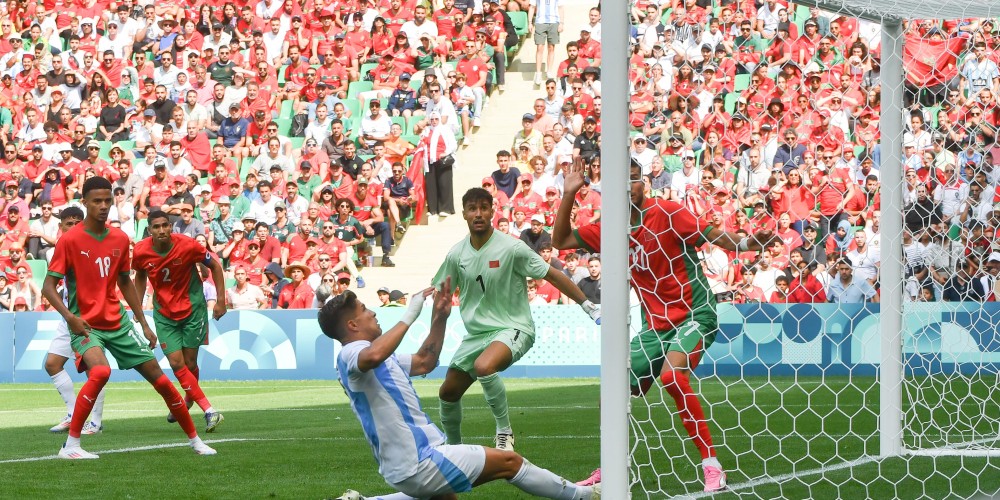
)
(759, 339)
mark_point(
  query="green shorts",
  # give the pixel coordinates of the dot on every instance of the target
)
(189, 332)
(473, 345)
(546, 34)
(129, 347)
(649, 349)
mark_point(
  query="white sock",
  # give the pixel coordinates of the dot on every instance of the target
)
(72, 442)
(711, 462)
(98, 412)
(393, 496)
(195, 441)
(209, 410)
(64, 385)
(542, 483)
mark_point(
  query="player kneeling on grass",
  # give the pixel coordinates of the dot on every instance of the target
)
(60, 351)
(679, 317)
(93, 259)
(411, 451)
(180, 311)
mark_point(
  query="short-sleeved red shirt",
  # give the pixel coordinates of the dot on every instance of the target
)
(91, 264)
(296, 296)
(666, 271)
(176, 282)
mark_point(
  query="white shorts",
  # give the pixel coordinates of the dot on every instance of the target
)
(449, 469)
(60, 345)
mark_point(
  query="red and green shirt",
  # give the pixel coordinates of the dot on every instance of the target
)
(663, 260)
(174, 275)
(90, 264)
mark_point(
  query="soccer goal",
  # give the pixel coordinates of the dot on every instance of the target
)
(889, 390)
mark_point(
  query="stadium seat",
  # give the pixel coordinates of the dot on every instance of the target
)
(415, 85)
(352, 105)
(731, 99)
(245, 167)
(284, 126)
(38, 269)
(365, 68)
(520, 21)
(356, 88)
(297, 142)
(401, 121)
(140, 228)
(741, 82)
(287, 108)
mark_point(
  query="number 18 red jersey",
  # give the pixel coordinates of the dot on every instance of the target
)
(90, 264)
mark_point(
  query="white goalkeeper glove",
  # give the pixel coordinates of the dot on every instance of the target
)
(593, 310)
(413, 310)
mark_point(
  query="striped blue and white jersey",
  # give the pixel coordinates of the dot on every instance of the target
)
(400, 433)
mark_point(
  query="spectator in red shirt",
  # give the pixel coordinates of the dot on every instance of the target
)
(297, 294)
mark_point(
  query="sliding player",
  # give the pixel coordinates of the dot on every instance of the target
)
(490, 270)
(412, 455)
(60, 351)
(679, 317)
(94, 259)
(180, 311)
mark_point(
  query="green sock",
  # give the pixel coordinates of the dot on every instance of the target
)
(451, 420)
(496, 397)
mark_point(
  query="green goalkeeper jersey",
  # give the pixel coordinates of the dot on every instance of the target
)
(492, 284)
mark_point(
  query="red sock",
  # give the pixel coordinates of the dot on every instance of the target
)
(96, 379)
(196, 372)
(678, 386)
(175, 404)
(191, 388)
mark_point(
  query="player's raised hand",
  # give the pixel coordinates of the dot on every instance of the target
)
(78, 326)
(150, 336)
(593, 310)
(573, 182)
(219, 310)
(415, 305)
(442, 300)
(763, 238)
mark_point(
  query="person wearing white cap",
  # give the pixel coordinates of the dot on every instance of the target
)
(688, 178)
(642, 153)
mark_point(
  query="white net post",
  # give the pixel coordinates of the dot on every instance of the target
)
(615, 327)
(891, 310)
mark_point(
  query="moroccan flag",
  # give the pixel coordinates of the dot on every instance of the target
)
(418, 164)
(931, 62)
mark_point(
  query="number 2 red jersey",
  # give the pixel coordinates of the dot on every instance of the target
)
(176, 283)
(664, 264)
(91, 264)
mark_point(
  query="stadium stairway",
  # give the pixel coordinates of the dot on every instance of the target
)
(425, 246)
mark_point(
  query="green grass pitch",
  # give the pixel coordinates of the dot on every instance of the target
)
(300, 439)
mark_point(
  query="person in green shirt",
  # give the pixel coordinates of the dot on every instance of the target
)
(239, 204)
(349, 229)
(307, 181)
(490, 270)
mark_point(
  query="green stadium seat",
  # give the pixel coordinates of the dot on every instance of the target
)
(287, 108)
(356, 88)
(401, 121)
(245, 167)
(38, 269)
(352, 105)
(297, 142)
(284, 126)
(741, 82)
(365, 68)
(140, 228)
(731, 99)
(411, 138)
(520, 22)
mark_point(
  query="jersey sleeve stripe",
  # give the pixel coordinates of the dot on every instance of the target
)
(54, 274)
(704, 234)
(580, 242)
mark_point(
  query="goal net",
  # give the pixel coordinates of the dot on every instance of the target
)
(839, 363)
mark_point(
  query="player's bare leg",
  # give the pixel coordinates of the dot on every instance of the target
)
(675, 378)
(181, 362)
(456, 383)
(495, 359)
(97, 377)
(155, 376)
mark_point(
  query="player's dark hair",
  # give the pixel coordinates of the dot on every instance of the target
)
(477, 195)
(95, 183)
(334, 313)
(72, 212)
(157, 214)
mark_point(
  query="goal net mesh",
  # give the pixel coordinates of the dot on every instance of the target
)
(752, 116)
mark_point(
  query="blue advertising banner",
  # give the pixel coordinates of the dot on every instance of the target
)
(753, 339)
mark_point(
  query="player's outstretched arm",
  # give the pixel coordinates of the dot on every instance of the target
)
(562, 233)
(219, 277)
(131, 298)
(734, 242)
(426, 359)
(387, 343)
(571, 290)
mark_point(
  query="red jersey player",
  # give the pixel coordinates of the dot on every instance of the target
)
(180, 311)
(679, 317)
(98, 256)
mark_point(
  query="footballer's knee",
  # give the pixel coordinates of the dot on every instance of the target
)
(448, 394)
(54, 364)
(484, 368)
(176, 361)
(100, 373)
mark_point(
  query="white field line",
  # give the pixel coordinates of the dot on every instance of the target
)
(823, 470)
(246, 440)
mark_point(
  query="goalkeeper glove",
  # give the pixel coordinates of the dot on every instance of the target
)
(413, 310)
(593, 310)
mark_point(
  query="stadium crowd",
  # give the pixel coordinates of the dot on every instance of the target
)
(765, 116)
(289, 138)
